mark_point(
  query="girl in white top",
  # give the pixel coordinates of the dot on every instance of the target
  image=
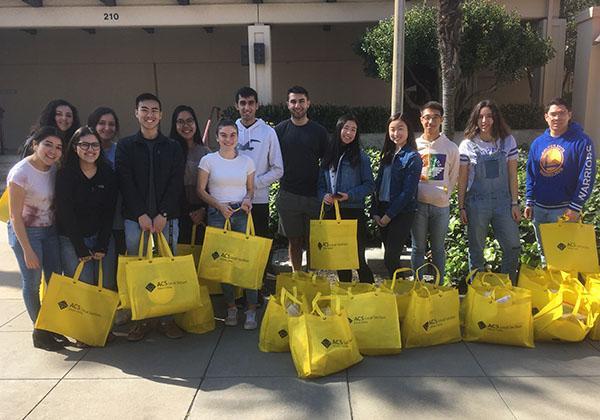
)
(31, 231)
(226, 183)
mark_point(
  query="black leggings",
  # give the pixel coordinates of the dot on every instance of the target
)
(394, 237)
(365, 274)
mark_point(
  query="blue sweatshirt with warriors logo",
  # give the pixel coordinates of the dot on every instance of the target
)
(561, 170)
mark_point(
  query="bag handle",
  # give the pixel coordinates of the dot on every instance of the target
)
(437, 273)
(338, 216)
(318, 310)
(491, 274)
(79, 270)
(394, 276)
(149, 246)
(250, 226)
(286, 295)
(493, 294)
(163, 246)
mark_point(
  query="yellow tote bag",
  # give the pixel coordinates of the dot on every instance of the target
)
(481, 281)
(570, 246)
(432, 317)
(308, 284)
(563, 320)
(162, 286)
(121, 272)
(402, 289)
(233, 257)
(499, 315)
(4, 207)
(333, 243)
(274, 335)
(79, 310)
(592, 285)
(373, 317)
(321, 342)
(199, 320)
(192, 248)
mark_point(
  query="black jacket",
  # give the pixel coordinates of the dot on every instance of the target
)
(133, 166)
(85, 207)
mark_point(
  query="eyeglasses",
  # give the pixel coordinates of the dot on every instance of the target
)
(430, 118)
(86, 146)
(189, 121)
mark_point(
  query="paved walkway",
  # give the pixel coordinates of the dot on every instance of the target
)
(223, 375)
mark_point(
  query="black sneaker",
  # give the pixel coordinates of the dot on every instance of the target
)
(60, 339)
(44, 340)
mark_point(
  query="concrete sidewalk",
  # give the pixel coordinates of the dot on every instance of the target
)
(223, 375)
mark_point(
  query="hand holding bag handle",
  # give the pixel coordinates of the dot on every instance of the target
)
(338, 215)
(79, 270)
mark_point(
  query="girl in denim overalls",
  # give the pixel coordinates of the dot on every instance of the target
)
(488, 187)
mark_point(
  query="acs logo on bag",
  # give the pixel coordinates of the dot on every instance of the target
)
(75, 307)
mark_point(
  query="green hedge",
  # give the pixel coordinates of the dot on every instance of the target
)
(456, 241)
(373, 119)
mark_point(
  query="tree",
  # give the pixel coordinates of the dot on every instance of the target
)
(448, 31)
(493, 40)
(569, 9)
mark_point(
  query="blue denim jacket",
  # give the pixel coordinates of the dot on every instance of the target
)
(356, 181)
(406, 171)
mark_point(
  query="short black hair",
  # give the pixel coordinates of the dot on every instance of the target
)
(433, 105)
(558, 101)
(245, 92)
(298, 90)
(147, 97)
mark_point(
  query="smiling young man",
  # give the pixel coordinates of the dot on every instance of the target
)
(258, 141)
(150, 171)
(441, 160)
(561, 170)
(303, 143)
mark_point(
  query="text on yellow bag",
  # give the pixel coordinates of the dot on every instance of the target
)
(333, 243)
(234, 257)
(79, 310)
(570, 246)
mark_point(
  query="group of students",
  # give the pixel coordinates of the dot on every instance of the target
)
(105, 193)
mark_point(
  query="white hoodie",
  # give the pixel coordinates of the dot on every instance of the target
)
(260, 143)
(440, 170)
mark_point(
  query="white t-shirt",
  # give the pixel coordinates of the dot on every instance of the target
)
(227, 177)
(39, 192)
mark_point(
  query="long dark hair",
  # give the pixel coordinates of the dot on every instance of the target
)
(176, 136)
(48, 117)
(500, 129)
(98, 113)
(337, 147)
(389, 147)
(71, 159)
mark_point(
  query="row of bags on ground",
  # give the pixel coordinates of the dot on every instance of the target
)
(327, 327)
(153, 286)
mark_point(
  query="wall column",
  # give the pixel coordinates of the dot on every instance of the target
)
(586, 89)
(261, 78)
(553, 72)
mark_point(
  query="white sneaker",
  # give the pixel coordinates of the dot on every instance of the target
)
(250, 323)
(232, 318)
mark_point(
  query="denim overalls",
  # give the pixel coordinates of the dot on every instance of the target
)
(488, 200)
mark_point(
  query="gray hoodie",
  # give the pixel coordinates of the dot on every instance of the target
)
(259, 142)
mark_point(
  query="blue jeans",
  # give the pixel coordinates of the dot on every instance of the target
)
(133, 233)
(540, 216)
(430, 221)
(44, 241)
(238, 224)
(89, 275)
(497, 212)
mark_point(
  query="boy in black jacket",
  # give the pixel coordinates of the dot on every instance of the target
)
(150, 171)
